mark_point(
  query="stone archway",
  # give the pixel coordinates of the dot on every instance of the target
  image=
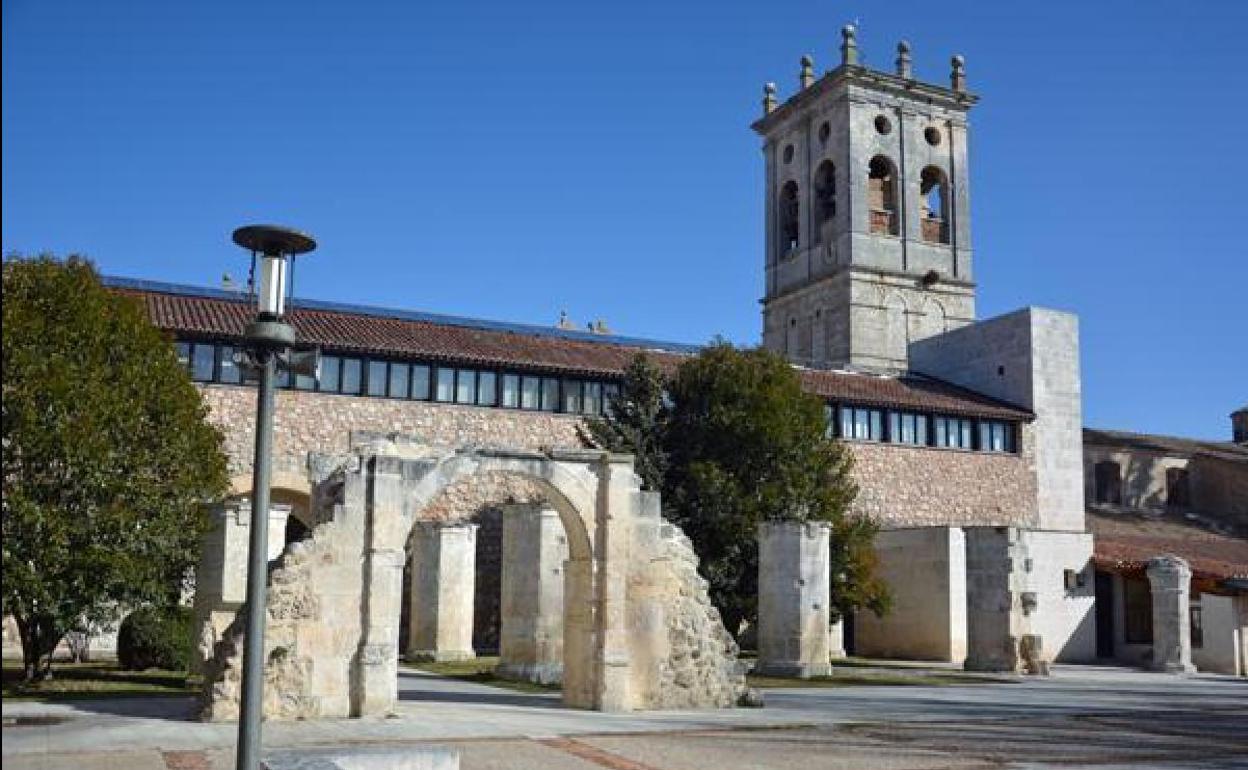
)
(639, 629)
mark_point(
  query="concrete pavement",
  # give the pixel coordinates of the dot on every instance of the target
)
(1085, 716)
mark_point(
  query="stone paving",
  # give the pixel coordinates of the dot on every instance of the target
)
(1081, 717)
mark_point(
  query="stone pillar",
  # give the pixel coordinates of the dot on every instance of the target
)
(793, 598)
(221, 575)
(443, 587)
(1170, 580)
(534, 551)
(1240, 605)
(994, 601)
(836, 640)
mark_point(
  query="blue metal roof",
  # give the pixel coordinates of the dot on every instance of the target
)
(187, 290)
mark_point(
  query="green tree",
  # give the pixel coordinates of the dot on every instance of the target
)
(108, 458)
(634, 421)
(743, 444)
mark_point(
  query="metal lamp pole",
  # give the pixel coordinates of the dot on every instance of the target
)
(269, 337)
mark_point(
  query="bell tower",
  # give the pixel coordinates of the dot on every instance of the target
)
(867, 213)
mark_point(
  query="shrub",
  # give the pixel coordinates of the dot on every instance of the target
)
(155, 638)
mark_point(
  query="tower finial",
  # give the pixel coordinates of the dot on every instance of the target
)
(769, 98)
(957, 76)
(903, 60)
(849, 45)
(808, 71)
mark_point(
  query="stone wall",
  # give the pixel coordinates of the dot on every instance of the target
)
(909, 486)
(318, 422)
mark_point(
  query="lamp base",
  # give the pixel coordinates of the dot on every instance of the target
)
(271, 334)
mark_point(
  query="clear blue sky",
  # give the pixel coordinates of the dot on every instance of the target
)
(512, 159)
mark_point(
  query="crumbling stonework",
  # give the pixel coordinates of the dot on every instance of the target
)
(639, 631)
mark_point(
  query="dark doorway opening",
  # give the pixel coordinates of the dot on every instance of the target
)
(1104, 615)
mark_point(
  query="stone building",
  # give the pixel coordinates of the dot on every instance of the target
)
(967, 436)
(1151, 496)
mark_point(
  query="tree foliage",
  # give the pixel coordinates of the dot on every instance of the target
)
(108, 458)
(742, 443)
(635, 420)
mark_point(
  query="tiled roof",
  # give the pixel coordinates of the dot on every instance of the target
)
(216, 314)
(1170, 445)
(1125, 542)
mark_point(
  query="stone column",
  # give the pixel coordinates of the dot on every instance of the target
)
(443, 587)
(1170, 580)
(221, 575)
(534, 551)
(1240, 605)
(793, 598)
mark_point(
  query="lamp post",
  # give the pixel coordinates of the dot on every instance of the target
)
(270, 339)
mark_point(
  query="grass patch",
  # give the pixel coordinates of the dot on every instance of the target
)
(77, 681)
(862, 678)
(481, 671)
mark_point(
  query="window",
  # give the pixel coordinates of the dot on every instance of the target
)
(882, 196)
(1197, 624)
(788, 219)
(862, 424)
(996, 436)
(399, 380)
(420, 382)
(593, 398)
(445, 389)
(305, 382)
(825, 197)
(829, 421)
(351, 371)
(954, 433)
(511, 390)
(610, 392)
(376, 378)
(932, 135)
(331, 372)
(1177, 491)
(1107, 478)
(203, 362)
(907, 428)
(1137, 601)
(183, 349)
(933, 205)
(487, 388)
(530, 393)
(466, 386)
(550, 394)
(229, 371)
(571, 396)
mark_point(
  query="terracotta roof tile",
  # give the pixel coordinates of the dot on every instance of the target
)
(216, 314)
(1125, 543)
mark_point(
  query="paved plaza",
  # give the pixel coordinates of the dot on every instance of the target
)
(1080, 717)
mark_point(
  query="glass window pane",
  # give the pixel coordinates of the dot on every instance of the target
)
(420, 382)
(530, 393)
(942, 435)
(550, 394)
(399, 374)
(1010, 432)
(593, 398)
(466, 387)
(571, 396)
(376, 378)
(847, 422)
(351, 375)
(985, 436)
(829, 420)
(445, 389)
(966, 434)
(183, 349)
(487, 388)
(229, 369)
(862, 428)
(920, 433)
(203, 361)
(610, 392)
(305, 382)
(331, 367)
(894, 426)
(511, 390)
(877, 425)
(283, 377)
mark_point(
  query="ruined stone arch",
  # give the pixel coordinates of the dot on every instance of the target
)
(639, 628)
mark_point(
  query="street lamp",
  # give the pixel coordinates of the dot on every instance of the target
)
(270, 338)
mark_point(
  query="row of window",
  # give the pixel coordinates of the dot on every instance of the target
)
(865, 424)
(212, 362)
(382, 378)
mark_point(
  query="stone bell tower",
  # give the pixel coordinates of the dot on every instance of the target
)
(868, 213)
